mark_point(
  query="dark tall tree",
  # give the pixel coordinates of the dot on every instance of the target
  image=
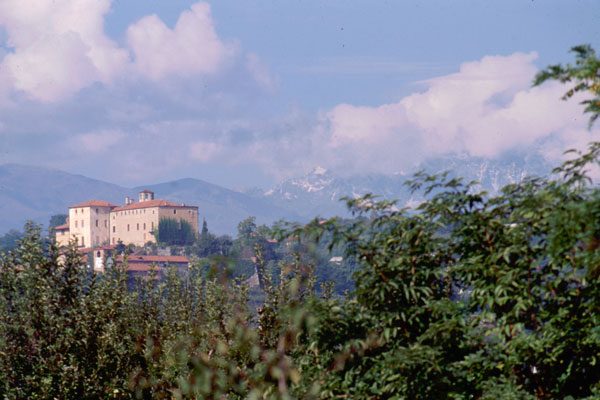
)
(175, 232)
(57, 220)
(204, 228)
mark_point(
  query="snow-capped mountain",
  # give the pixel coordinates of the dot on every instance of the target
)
(318, 193)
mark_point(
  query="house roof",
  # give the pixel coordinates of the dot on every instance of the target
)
(146, 191)
(150, 203)
(138, 258)
(94, 203)
(61, 227)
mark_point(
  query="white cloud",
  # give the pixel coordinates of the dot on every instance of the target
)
(260, 73)
(96, 142)
(204, 151)
(192, 47)
(486, 109)
(58, 47)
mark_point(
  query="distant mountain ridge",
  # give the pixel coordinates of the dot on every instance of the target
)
(319, 192)
(36, 193)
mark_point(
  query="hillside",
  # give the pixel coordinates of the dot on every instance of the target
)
(37, 193)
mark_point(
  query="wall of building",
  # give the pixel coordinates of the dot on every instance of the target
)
(188, 214)
(100, 226)
(62, 237)
(89, 225)
(134, 226)
(79, 225)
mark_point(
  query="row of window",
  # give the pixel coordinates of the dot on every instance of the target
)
(115, 240)
(114, 228)
(131, 212)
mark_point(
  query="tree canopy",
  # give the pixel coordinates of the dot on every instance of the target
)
(175, 232)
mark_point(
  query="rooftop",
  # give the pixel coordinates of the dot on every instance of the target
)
(136, 258)
(150, 203)
(94, 203)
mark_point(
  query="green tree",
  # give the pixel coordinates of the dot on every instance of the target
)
(585, 74)
(10, 240)
(57, 220)
(175, 232)
(204, 228)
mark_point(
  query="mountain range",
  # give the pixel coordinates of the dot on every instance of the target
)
(37, 193)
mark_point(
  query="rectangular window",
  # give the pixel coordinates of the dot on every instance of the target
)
(106, 223)
(82, 223)
(82, 241)
(152, 225)
(96, 211)
(114, 240)
(75, 224)
(138, 227)
(114, 229)
(144, 226)
(174, 211)
(127, 227)
(96, 223)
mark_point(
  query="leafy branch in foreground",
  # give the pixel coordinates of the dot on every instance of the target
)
(585, 74)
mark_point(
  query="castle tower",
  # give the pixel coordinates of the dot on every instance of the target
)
(146, 195)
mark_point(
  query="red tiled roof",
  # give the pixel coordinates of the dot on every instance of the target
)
(150, 203)
(61, 227)
(135, 258)
(95, 203)
(139, 267)
(146, 191)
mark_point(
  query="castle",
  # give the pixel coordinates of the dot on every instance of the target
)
(96, 223)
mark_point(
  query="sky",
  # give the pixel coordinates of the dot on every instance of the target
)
(246, 94)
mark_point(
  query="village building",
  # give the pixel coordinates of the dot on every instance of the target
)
(96, 223)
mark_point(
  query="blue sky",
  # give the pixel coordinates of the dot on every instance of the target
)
(249, 93)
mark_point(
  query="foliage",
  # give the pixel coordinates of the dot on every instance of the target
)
(57, 220)
(175, 232)
(246, 229)
(469, 296)
(10, 240)
(585, 74)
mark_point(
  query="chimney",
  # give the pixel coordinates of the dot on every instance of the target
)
(128, 200)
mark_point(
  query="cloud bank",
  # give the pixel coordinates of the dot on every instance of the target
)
(58, 47)
(164, 101)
